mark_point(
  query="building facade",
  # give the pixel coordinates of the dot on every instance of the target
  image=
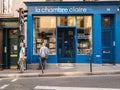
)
(9, 32)
(74, 31)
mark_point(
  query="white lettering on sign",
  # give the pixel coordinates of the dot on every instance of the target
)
(59, 9)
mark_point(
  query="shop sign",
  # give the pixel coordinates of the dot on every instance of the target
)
(48, 9)
(71, 9)
(10, 24)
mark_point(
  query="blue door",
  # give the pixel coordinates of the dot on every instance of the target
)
(66, 44)
(107, 40)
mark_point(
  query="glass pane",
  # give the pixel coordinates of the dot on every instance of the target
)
(13, 34)
(106, 39)
(69, 43)
(106, 22)
(84, 29)
(66, 43)
(66, 21)
(45, 32)
(7, 6)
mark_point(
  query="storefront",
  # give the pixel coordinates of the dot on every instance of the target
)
(9, 43)
(73, 31)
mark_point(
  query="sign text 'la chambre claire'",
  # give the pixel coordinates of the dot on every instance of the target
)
(58, 9)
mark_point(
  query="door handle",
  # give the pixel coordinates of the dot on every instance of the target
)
(113, 43)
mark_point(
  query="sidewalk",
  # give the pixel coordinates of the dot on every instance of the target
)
(64, 71)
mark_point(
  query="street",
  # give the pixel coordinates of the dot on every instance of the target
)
(102, 82)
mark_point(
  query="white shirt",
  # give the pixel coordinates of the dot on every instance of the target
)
(44, 51)
(21, 52)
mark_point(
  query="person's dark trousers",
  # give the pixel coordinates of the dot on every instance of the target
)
(42, 63)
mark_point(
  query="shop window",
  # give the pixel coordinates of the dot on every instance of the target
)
(7, 6)
(45, 32)
(84, 29)
(13, 34)
(106, 22)
(66, 21)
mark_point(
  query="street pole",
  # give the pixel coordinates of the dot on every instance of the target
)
(22, 15)
(21, 24)
(91, 63)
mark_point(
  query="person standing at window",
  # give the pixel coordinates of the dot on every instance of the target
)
(44, 51)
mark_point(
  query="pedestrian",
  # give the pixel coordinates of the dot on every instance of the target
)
(21, 57)
(44, 51)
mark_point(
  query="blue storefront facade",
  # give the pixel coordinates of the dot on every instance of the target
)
(79, 30)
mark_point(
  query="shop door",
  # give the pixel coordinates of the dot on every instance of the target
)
(1, 47)
(11, 48)
(66, 45)
(13, 52)
(107, 40)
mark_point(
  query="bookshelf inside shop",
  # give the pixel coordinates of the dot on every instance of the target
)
(84, 41)
(84, 34)
(44, 32)
(45, 37)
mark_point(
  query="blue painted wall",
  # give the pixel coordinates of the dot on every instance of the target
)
(97, 47)
(96, 9)
(82, 59)
(29, 39)
(117, 37)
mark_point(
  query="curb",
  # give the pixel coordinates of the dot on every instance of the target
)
(56, 74)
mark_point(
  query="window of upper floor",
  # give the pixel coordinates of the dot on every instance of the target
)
(6, 6)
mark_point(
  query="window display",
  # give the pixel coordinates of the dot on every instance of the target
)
(45, 32)
(66, 20)
(84, 29)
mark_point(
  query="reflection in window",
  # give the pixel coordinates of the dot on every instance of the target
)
(106, 22)
(84, 28)
(44, 32)
(66, 21)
